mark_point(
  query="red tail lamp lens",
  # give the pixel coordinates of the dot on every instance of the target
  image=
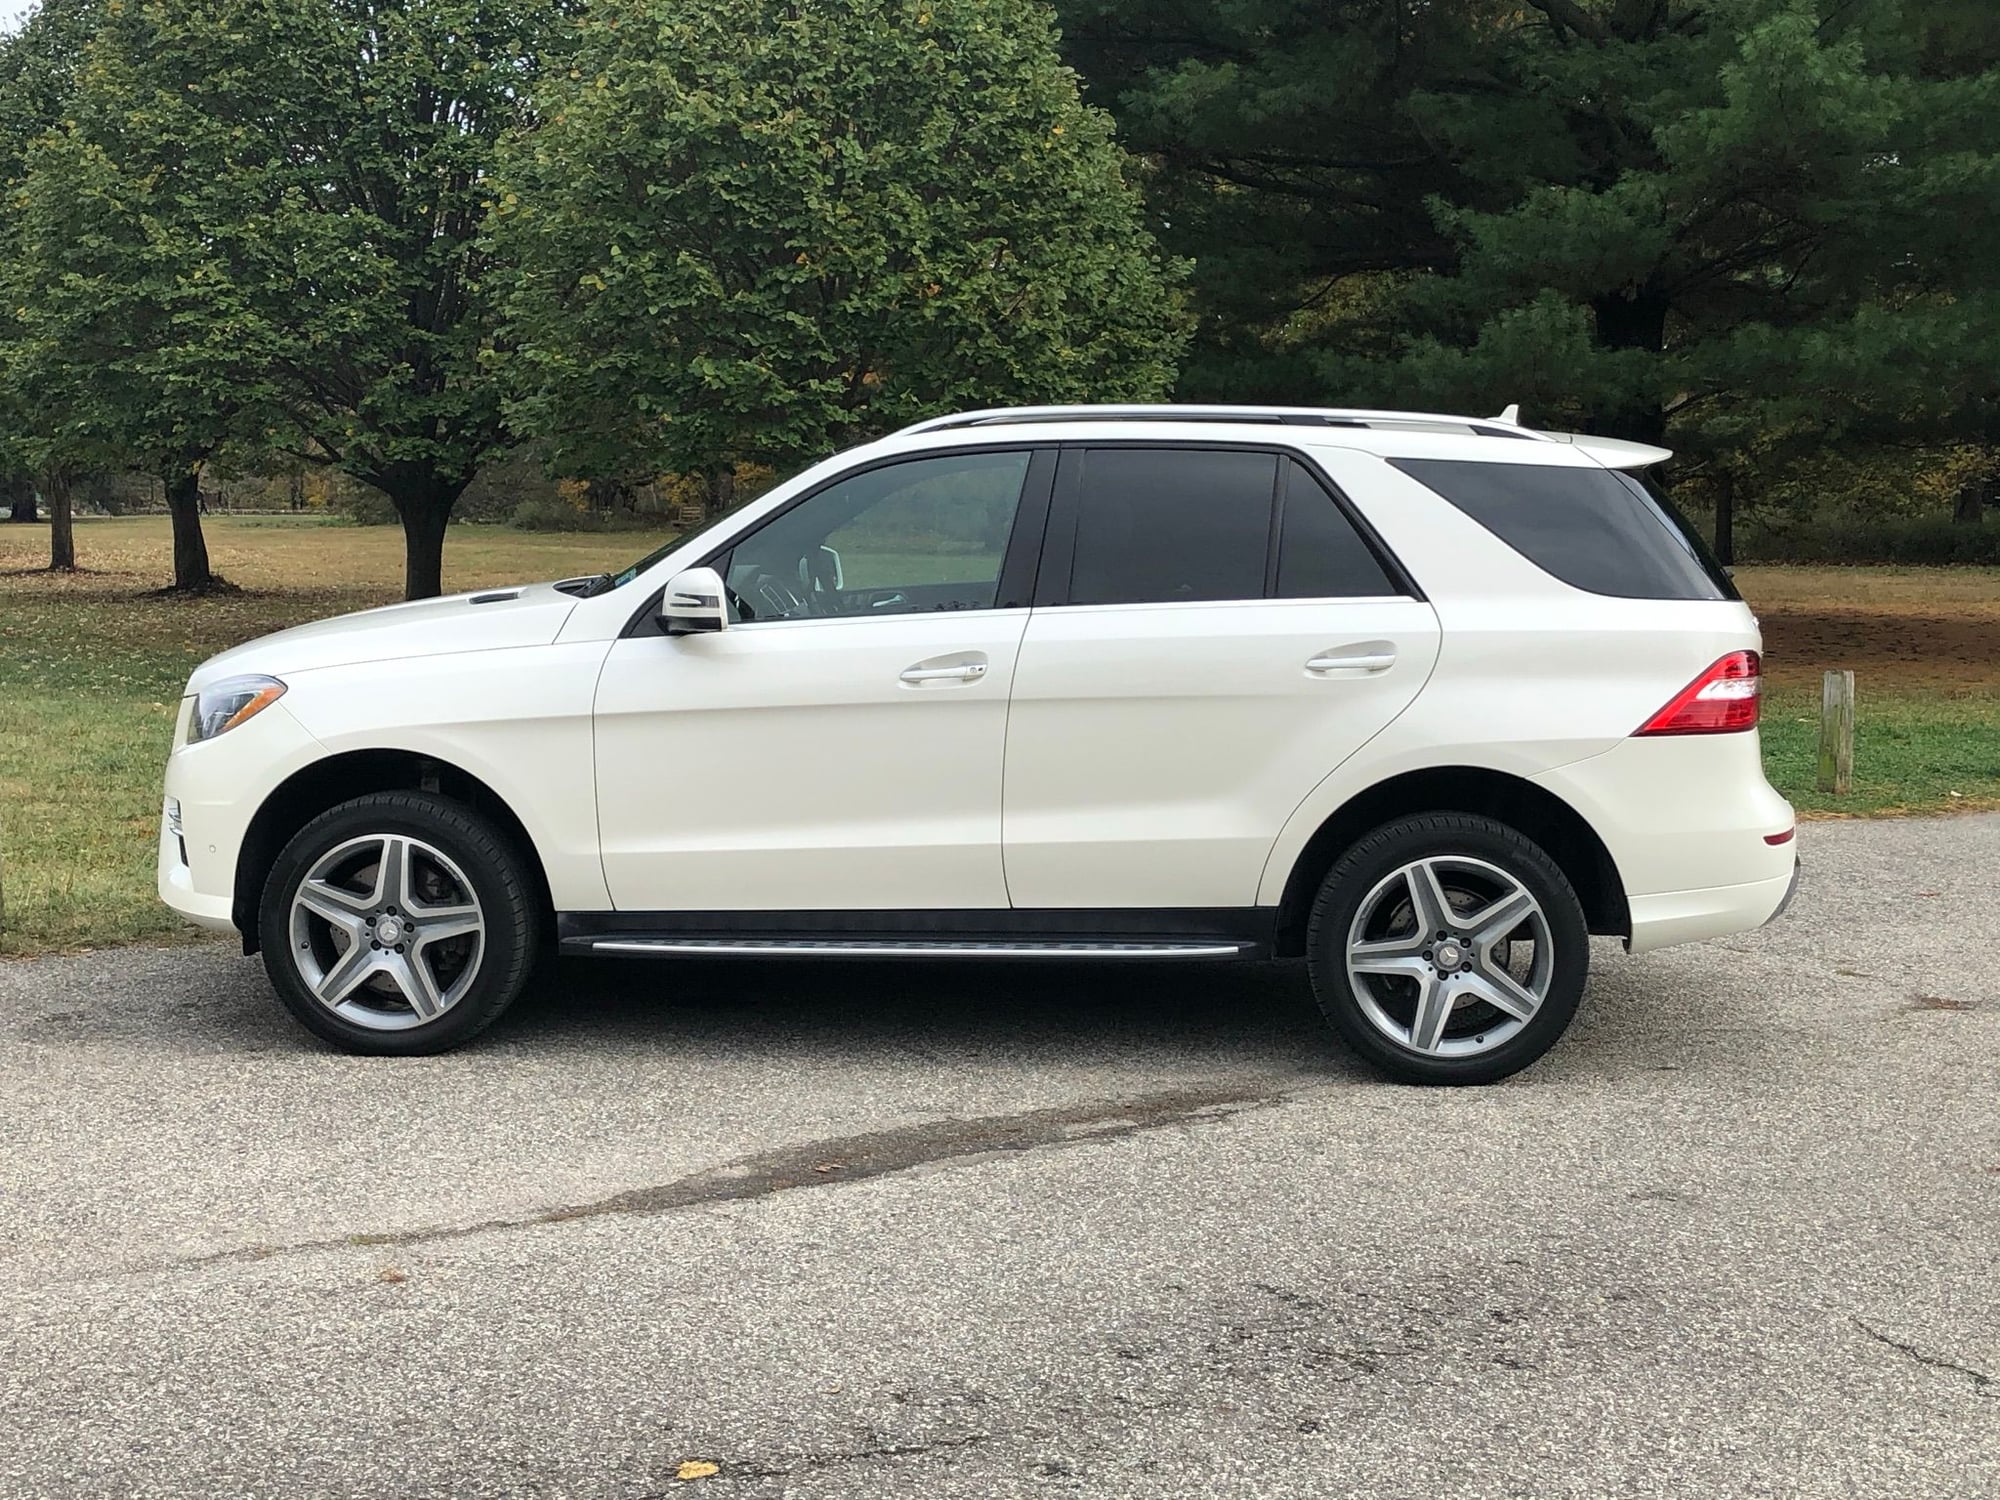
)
(1722, 700)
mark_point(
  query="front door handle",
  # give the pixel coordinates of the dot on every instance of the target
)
(1367, 656)
(961, 671)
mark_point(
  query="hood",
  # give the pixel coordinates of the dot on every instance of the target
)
(489, 620)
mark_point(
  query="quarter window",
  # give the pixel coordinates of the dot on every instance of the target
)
(1590, 527)
(928, 534)
(1172, 526)
(1320, 554)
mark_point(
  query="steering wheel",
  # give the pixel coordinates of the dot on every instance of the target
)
(771, 597)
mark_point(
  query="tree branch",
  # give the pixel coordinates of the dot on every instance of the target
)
(1573, 17)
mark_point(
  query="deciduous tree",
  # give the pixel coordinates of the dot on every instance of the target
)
(38, 69)
(748, 233)
(330, 156)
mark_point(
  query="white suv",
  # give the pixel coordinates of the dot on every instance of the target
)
(1422, 699)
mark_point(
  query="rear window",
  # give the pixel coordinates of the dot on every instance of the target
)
(1595, 529)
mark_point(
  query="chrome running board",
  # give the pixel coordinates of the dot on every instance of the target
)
(731, 947)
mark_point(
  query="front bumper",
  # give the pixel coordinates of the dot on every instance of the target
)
(176, 885)
(218, 786)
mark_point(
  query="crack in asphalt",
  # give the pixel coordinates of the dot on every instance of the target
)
(1982, 1383)
(853, 1158)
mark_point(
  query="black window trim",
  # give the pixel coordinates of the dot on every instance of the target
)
(1019, 564)
(1052, 589)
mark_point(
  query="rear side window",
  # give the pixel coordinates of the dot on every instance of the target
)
(1320, 554)
(1685, 531)
(1592, 528)
(1172, 526)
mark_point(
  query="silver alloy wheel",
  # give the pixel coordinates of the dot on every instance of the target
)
(387, 932)
(1450, 956)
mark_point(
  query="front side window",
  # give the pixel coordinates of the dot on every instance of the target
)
(1172, 525)
(926, 534)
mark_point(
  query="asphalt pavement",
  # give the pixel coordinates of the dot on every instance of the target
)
(1008, 1231)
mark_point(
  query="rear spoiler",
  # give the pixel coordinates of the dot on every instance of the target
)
(1613, 453)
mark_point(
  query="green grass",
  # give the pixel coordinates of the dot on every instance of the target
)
(91, 668)
(1921, 753)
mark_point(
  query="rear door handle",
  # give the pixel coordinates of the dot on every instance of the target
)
(1369, 656)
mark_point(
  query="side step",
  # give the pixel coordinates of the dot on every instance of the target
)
(649, 946)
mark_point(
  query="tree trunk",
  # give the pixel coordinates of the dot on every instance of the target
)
(423, 499)
(62, 523)
(1634, 320)
(611, 497)
(183, 486)
(1725, 519)
(721, 490)
(423, 548)
(1974, 495)
(21, 500)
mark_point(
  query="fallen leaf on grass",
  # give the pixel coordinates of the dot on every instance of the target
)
(696, 1468)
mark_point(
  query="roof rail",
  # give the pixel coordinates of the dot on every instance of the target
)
(1298, 416)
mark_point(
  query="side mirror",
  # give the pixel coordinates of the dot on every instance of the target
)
(694, 602)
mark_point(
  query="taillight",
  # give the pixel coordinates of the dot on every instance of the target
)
(1720, 701)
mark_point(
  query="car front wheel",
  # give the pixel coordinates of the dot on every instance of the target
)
(398, 923)
(1448, 948)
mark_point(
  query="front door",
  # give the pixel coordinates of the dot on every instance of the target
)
(839, 746)
(1217, 637)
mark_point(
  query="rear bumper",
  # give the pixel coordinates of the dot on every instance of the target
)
(1659, 921)
(1701, 841)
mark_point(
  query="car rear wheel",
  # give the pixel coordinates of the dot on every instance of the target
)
(398, 923)
(1448, 948)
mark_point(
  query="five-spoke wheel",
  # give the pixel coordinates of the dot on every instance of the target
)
(1449, 956)
(1448, 949)
(386, 931)
(398, 922)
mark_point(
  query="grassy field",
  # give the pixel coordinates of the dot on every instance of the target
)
(91, 667)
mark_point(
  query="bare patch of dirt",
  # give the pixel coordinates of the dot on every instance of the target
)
(1909, 649)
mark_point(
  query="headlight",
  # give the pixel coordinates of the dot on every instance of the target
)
(230, 702)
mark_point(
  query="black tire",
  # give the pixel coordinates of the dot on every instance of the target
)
(491, 867)
(1375, 859)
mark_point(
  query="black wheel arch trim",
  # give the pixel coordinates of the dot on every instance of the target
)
(1533, 811)
(326, 783)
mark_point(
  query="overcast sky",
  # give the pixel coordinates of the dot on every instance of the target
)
(11, 12)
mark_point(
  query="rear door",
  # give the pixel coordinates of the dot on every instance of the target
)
(1213, 634)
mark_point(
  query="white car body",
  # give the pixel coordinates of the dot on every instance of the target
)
(1155, 757)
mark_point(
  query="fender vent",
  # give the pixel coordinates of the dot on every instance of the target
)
(495, 598)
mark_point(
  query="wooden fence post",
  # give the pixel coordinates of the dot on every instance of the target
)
(1836, 734)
